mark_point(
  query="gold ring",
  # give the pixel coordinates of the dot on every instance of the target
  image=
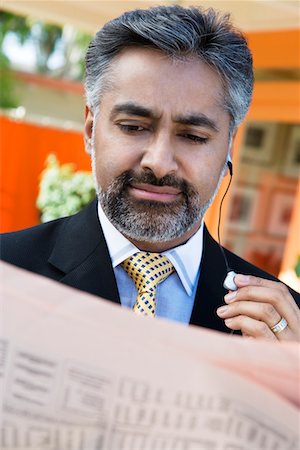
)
(280, 326)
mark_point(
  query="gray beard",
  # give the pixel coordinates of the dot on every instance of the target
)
(151, 221)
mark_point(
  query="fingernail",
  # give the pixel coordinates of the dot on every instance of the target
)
(228, 321)
(229, 297)
(242, 279)
(222, 310)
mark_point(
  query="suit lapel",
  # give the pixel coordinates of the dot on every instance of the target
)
(210, 291)
(81, 254)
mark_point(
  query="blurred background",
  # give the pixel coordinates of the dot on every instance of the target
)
(42, 48)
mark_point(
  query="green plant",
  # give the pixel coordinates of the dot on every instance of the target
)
(62, 190)
(297, 267)
(8, 97)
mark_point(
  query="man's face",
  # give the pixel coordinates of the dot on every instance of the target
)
(159, 146)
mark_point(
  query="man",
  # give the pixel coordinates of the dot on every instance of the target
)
(166, 89)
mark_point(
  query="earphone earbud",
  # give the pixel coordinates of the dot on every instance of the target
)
(229, 164)
(229, 283)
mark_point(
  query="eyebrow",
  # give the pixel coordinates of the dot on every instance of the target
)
(198, 120)
(194, 119)
(132, 109)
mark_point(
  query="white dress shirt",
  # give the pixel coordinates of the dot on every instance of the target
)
(176, 294)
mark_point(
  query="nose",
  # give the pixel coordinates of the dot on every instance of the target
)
(159, 157)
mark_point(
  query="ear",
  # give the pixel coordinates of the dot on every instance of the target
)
(88, 129)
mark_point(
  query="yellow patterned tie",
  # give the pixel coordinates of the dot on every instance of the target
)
(147, 270)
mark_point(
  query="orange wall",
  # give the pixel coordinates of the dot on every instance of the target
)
(24, 148)
(275, 49)
(276, 101)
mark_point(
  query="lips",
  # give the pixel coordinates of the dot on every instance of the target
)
(145, 191)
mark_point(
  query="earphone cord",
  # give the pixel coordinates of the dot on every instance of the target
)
(219, 224)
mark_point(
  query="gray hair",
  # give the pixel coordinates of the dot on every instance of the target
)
(180, 33)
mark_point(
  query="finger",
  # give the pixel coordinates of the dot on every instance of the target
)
(281, 301)
(264, 312)
(286, 334)
(244, 280)
(251, 327)
(282, 290)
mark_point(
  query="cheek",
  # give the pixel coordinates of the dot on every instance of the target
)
(204, 176)
(112, 159)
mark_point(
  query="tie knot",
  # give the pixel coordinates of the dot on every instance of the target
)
(147, 270)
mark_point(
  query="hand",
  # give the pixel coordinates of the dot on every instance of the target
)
(257, 306)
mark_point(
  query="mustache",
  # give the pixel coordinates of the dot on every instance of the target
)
(148, 177)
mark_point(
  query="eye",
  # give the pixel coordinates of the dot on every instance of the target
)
(130, 128)
(194, 138)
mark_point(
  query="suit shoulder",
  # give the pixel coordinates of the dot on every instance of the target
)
(30, 247)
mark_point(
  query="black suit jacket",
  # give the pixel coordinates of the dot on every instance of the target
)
(73, 251)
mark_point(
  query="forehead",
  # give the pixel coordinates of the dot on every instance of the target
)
(152, 78)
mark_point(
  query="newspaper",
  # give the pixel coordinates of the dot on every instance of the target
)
(81, 373)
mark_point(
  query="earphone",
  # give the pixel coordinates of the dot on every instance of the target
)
(229, 164)
(229, 283)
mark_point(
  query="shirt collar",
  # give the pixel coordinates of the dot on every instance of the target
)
(185, 258)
